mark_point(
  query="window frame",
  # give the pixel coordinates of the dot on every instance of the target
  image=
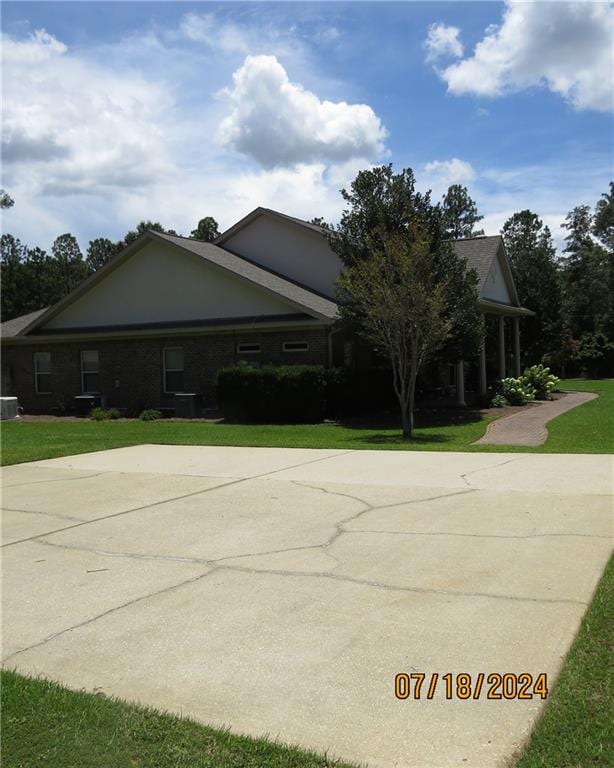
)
(38, 373)
(166, 370)
(85, 373)
(257, 351)
(285, 344)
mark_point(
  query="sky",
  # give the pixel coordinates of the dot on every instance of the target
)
(117, 112)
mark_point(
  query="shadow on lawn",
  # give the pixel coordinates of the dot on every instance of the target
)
(424, 418)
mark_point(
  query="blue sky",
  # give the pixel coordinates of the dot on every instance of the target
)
(117, 112)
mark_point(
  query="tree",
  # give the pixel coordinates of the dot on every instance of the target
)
(70, 261)
(588, 303)
(141, 228)
(12, 253)
(99, 251)
(603, 221)
(532, 255)
(43, 281)
(460, 213)
(6, 201)
(206, 230)
(402, 286)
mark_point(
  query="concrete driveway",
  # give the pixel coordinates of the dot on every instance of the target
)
(280, 591)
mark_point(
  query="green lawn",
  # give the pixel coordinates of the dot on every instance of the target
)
(47, 726)
(587, 429)
(577, 727)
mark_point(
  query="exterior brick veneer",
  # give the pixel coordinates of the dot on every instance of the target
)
(131, 372)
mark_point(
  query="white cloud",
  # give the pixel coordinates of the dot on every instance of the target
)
(205, 28)
(441, 173)
(70, 125)
(279, 123)
(564, 46)
(442, 40)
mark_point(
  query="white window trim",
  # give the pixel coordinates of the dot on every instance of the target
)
(37, 372)
(171, 370)
(284, 347)
(241, 351)
(97, 372)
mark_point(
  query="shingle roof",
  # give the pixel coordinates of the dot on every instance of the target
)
(256, 274)
(17, 324)
(479, 252)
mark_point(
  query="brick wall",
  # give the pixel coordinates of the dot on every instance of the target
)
(131, 373)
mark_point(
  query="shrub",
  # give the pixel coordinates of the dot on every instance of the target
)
(516, 391)
(498, 401)
(104, 414)
(284, 393)
(150, 414)
(539, 378)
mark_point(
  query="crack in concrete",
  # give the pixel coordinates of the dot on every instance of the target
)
(118, 514)
(401, 588)
(54, 480)
(115, 608)
(166, 501)
(465, 475)
(46, 514)
(478, 535)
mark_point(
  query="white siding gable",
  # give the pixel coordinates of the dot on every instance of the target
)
(495, 286)
(290, 250)
(160, 283)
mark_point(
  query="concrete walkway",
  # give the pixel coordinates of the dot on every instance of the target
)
(528, 427)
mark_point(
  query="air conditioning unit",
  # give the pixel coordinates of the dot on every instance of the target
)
(8, 408)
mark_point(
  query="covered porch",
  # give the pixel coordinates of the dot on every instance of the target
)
(508, 338)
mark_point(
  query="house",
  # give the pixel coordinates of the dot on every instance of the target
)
(165, 314)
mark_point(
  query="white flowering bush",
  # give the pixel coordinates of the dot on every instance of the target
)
(541, 380)
(516, 391)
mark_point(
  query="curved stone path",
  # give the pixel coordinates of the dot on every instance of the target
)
(528, 427)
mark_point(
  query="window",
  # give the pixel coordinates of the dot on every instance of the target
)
(42, 373)
(173, 369)
(248, 349)
(295, 346)
(90, 381)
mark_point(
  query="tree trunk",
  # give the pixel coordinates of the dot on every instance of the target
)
(407, 419)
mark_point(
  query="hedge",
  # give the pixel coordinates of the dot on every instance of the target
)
(300, 393)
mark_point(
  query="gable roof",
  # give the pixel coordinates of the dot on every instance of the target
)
(271, 214)
(480, 253)
(302, 298)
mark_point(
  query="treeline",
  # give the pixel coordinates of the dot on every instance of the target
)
(32, 278)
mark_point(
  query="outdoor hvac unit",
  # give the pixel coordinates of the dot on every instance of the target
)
(8, 408)
(188, 405)
(85, 403)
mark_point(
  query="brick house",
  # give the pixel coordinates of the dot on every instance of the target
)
(165, 314)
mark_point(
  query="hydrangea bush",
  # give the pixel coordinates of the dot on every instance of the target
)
(543, 382)
(536, 383)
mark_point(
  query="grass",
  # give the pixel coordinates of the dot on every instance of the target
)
(45, 724)
(577, 728)
(587, 429)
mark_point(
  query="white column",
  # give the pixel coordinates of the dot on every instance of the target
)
(483, 383)
(501, 347)
(460, 383)
(517, 346)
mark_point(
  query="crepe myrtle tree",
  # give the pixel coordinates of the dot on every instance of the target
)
(402, 286)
